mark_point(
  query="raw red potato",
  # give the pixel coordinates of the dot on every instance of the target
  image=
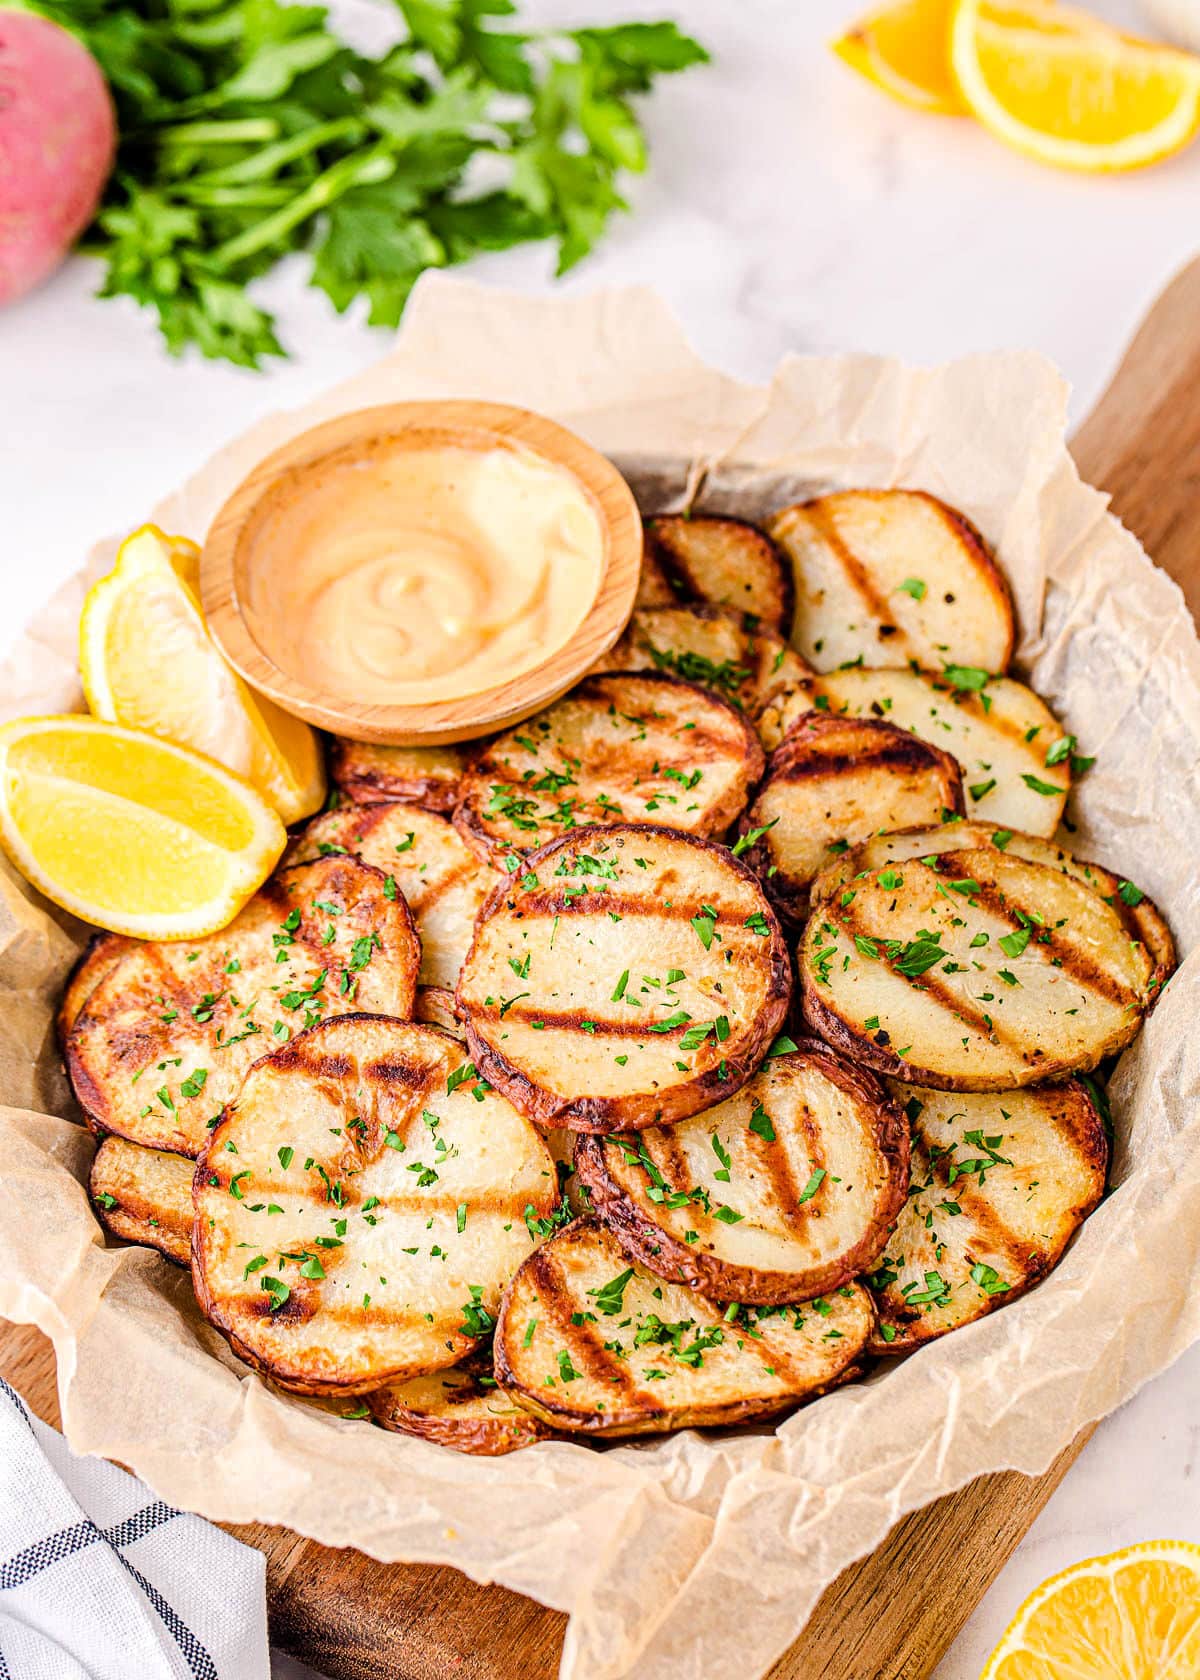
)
(58, 137)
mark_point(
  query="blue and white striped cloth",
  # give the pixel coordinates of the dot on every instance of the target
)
(99, 1580)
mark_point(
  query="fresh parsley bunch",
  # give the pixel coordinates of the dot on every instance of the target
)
(250, 130)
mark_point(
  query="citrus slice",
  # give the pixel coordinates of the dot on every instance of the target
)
(134, 834)
(904, 49)
(148, 662)
(1131, 1615)
(1068, 90)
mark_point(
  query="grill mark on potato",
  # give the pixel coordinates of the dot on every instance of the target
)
(548, 904)
(1022, 1265)
(928, 984)
(1072, 960)
(818, 515)
(796, 761)
(582, 1343)
(571, 1020)
(776, 1164)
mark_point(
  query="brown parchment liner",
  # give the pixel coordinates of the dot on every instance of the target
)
(678, 1556)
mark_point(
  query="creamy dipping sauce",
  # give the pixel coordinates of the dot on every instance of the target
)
(422, 573)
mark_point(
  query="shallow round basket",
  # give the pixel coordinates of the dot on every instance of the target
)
(475, 425)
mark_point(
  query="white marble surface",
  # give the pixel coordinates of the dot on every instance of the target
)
(788, 208)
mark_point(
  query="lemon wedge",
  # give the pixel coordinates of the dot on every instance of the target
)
(1067, 90)
(134, 834)
(148, 662)
(904, 49)
(1133, 1614)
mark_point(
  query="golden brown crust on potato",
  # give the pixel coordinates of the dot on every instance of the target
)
(894, 577)
(720, 561)
(461, 1409)
(594, 1343)
(144, 1196)
(783, 1192)
(371, 1210)
(833, 782)
(550, 1021)
(98, 958)
(617, 749)
(999, 1186)
(972, 971)
(166, 1037)
(369, 773)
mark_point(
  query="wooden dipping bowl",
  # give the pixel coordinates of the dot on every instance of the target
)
(475, 425)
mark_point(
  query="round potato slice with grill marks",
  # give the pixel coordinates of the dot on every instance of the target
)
(591, 1341)
(999, 731)
(166, 1037)
(100, 955)
(893, 577)
(370, 1211)
(1000, 1184)
(785, 1191)
(618, 749)
(462, 1408)
(628, 977)
(833, 782)
(972, 971)
(371, 774)
(443, 881)
(719, 561)
(144, 1196)
(1140, 916)
(745, 663)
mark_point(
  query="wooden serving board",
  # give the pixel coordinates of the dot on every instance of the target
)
(354, 1619)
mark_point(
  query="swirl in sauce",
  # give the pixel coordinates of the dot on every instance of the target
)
(410, 574)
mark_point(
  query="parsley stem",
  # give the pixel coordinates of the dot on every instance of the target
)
(272, 158)
(369, 168)
(236, 132)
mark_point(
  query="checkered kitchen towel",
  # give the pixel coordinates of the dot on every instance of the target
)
(99, 1580)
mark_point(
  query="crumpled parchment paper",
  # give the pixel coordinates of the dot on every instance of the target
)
(678, 1556)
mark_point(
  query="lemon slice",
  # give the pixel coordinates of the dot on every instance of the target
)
(904, 49)
(148, 662)
(134, 834)
(1068, 90)
(1131, 1615)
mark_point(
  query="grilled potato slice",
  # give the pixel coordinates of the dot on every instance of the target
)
(164, 1040)
(443, 881)
(972, 971)
(591, 1341)
(461, 1408)
(785, 1191)
(628, 978)
(370, 774)
(744, 663)
(400, 1187)
(617, 749)
(1000, 733)
(999, 1185)
(100, 955)
(1140, 916)
(144, 1196)
(724, 562)
(835, 781)
(893, 577)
